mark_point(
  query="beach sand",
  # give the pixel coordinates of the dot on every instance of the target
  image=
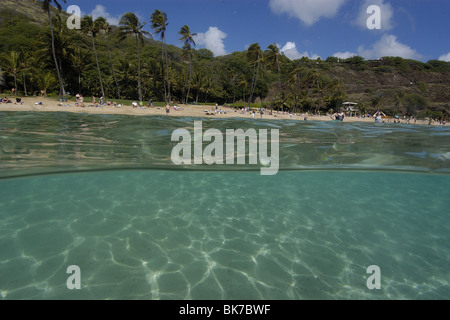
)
(51, 105)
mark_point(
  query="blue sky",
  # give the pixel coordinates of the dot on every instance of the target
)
(413, 29)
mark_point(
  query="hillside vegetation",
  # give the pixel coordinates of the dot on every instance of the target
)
(102, 59)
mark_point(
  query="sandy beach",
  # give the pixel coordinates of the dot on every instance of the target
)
(51, 105)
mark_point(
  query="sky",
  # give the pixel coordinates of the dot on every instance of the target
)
(412, 29)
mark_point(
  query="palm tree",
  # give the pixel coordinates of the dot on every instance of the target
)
(79, 59)
(159, 23)
(244, 84)
(376, 100)
(130, 25)
(273, 59)
(254, 56)
(11, 65)
(316, 82)
(198, 83)
(91, 27)
(26, 63)
(124, 73)
(46, 81)
(106, 28)
(188, 39)
(46, 7)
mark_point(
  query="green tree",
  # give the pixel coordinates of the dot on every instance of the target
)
(80, 59)
(188, 39)
(105, 27)
(46, 80)
(130, 25)
(26, 64)
(125, 76)
(11, 65)
(316, 81)
(272, 59)
(92, 28)
(159, 23)
(46, 7)
(243, 83)
(376, 101)
(254, 56)
(399, 99)
(337, 94)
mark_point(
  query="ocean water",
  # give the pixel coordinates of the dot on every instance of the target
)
(101, 193)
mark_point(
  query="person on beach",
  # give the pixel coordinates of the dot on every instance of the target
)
(79, 100)
(167, 108)
(339, 116)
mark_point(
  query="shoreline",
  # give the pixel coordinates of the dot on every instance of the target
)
(50, 105)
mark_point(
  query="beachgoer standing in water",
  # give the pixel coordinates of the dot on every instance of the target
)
(378, 116)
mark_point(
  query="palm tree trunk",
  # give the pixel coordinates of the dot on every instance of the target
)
(162, 71)
(79, 81)
(279, 76)
(255, 75)
(24, 84)
(98, 67)
(190, 77)
(167, 70)
(61, 84)
(15, 83)
(183, 93)
(139, 69)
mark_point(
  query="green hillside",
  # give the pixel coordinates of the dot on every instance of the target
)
(262, 75)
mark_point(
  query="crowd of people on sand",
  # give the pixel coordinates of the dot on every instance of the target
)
(79, 102)
(378, 117)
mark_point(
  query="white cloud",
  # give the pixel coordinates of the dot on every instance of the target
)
(290, 51)
(388, 46)
(445, 57)
(308, 11)
(344, 55)
(100, 11)
(387, 14)
(212, 40)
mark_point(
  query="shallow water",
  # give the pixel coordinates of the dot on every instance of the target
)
(208, 235)
(153, 232)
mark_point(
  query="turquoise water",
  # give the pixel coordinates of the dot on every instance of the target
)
(100, 192)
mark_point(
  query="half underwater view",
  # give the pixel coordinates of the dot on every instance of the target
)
(101, 193)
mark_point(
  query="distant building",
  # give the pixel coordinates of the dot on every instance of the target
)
(351, 108)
